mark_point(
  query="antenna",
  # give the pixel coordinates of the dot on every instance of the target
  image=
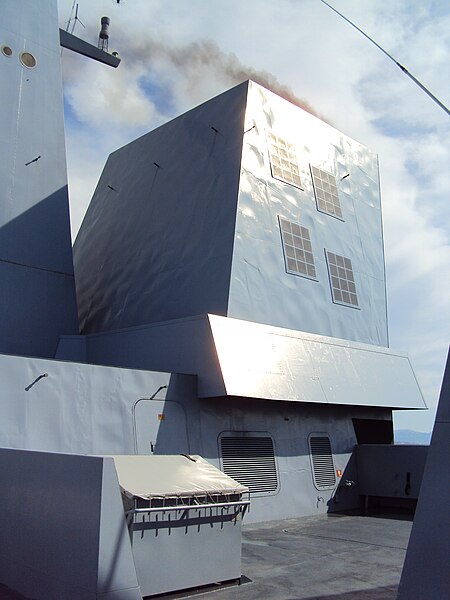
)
(401, 67)
(74, 19)
(104, 34)
(71, 13)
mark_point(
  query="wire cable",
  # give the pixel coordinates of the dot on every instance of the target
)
(400, 66)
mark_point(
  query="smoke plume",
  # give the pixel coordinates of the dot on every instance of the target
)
(199, 59)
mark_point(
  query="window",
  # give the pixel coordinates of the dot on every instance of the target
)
(27, 60)
(343, 289)
(283, 160)
(326, 192)
(298, 256)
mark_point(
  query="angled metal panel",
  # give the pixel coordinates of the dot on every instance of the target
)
(261, 288)
(261, 361)
(60, 406)
(72, 42)
(35, 240)
(180, 346)
(427, 563)
(157, 240)
(239, 358)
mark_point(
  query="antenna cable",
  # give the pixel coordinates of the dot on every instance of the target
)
(404, 69)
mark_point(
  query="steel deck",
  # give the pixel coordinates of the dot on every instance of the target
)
(328, 557)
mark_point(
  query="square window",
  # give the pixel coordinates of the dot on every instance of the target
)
(295, 238)
(325, 188)
(295, 228)
(289, 239)
(290, 251)
(285, 225)
(343, 288)
(291, 264)
(277, 172)
(298, 242)
(283, 160)
(300, 255)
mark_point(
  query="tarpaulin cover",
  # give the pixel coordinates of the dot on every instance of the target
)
(172, 476)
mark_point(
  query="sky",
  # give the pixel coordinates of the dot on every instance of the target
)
(177, 54)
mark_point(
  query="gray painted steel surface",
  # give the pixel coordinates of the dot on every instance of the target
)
(37, 302)
(239, 358)
(321, 558)
(183, 224)
(91, 409)
(64, 534)
(75, 408)
(188, 547)
(261, 290)
(194, 538)
(390, 471)
(71, 42)
(426, 573)
(184, 221)
(159, 244)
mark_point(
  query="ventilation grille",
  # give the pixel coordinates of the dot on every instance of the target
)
(322, 462)
(251, 461)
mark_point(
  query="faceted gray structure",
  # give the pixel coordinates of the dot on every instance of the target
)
(37, 298)
(232, 296)
(246, 207)
(157, 240)
(232, 358)
(426, 573)
(64, 535)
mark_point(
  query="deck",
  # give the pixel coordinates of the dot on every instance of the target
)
(326, 557)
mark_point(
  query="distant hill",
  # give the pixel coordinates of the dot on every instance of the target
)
(408, 436)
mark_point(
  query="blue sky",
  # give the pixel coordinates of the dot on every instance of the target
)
(178, 54)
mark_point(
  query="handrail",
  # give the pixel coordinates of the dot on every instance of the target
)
(185, 507)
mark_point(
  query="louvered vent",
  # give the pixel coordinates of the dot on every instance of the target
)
(322, 462)
(251, 461)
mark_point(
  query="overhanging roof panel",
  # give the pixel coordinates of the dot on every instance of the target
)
(261, 361)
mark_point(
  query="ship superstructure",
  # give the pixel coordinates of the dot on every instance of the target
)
(230, 288)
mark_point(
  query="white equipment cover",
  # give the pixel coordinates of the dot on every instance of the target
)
(169, 476)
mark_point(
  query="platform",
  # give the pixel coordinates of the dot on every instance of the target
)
(328, 557)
